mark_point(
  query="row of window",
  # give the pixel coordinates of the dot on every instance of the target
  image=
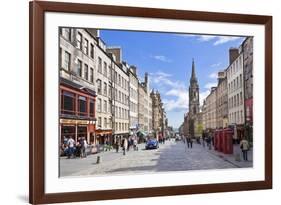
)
(82, 42)
(83, 45)
(236, 117)
(105, 108)
(235, 67)
(133, 107)
(235, 100)
(78, 105)
(83, 70)
(119, 126)
(106, 123)
(104, 89)
(235, 83)
(107, 72)
(133, 94)
(121, 113)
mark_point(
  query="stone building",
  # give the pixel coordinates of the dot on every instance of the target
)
(77, 70)
(141, 105)
(211, 111)
(222, 101)
(235, 93)
(104, 63)
(144, 105)
(120, 90)
(204, 114)
(133, 98)
(248, 79)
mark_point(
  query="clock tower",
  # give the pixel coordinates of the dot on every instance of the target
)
(193, 93)
(193, 100)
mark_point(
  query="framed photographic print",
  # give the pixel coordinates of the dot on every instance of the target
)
(138, 102)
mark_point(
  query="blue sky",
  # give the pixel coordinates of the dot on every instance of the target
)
(167, 57)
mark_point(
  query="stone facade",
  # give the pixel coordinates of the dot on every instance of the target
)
(133, 79)
(104, 90)
(222, 101)
(211, 111)
(235, 93)
(248, 78)
(77, 70)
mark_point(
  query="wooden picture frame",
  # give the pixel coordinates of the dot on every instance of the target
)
(37, 10)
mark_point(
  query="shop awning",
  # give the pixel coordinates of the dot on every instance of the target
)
(141, 134)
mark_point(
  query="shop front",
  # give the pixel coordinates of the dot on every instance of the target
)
(77, 129)
(104, 137)
(77, 112)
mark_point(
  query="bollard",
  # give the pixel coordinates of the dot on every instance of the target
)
(237, 157)
(98, 159)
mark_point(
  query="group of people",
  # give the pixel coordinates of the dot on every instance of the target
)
(126, 144)
(72, 148)
(207, 139)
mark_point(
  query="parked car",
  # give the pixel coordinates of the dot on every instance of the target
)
(178, 138)
(152, 144)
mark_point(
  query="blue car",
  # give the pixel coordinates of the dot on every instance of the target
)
(152, 144)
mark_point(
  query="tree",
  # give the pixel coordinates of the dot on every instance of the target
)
(199, 129)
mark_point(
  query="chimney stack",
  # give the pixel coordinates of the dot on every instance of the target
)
(146, 78)
(233, 54)
(133, 69)
(221, 76)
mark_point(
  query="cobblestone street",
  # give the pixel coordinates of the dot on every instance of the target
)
(171, 156)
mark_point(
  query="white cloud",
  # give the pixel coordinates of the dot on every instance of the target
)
(162, 58)
(204, 38)
(180, 102)
(218, 39)
(163, 79)
(225, 39)
(216, 65)
(174, 93)
(213, 75)
(185, 35)
(210, 85)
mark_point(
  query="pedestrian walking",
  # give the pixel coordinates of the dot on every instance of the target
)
(125, 145)
(117, 144)
(135, 144)
(84, 147)
(70, 144)
(203, 139)
(189, 142)
(244, 145)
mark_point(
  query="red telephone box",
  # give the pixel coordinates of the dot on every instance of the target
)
(216, 140)
(228, 139)
(220, 141)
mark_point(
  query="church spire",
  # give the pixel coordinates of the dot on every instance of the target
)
(193, 75)
(193, 69)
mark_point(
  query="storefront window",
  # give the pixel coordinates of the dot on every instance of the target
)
(82, 106)
(92, 108)
(67, 103)
(82, 131)
(67, 132)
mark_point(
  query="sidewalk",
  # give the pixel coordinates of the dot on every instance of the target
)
(236, 158)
